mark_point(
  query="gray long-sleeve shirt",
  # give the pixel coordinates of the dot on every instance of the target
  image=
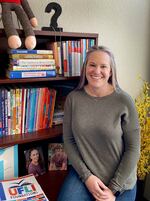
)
(101, 137)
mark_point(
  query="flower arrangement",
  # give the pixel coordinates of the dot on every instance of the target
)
(143, 107)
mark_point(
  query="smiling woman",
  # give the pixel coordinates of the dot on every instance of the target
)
(101, 137)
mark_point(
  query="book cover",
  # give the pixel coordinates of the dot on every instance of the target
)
(22, 189)
(57, 158)
(9, 165)
(35, 163)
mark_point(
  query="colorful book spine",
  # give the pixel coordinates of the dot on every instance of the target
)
(34, 62)
(1, 118)
(32, 109)
(31, 74)
(31, 56)
(27, 68)
(52, 106)
(23, 109)
(25, 51)
(3, 111)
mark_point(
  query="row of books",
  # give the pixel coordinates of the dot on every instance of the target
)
(31, 63)
(70, 55)
(25, 110)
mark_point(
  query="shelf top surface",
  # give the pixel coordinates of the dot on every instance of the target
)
(54, 33)
(42, 134)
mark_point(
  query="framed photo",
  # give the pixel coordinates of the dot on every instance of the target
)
(57, 158)
(34, 161)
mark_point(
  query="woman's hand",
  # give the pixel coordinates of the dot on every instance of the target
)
(96, 187)
(109, 196)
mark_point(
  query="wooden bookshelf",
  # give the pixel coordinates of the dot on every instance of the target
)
(51, 181)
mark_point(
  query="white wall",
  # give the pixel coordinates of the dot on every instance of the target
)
(123, 26)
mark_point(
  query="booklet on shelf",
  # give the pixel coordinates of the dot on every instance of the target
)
(23, 188)
(9, 165)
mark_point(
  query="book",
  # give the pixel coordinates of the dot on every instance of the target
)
(57, 158)
(29, 68)
(31, 56)
(51, 107)
(32, 62)
(31, 74)
(22, 189)
(58, 117)
(9, 165)
(25, 51)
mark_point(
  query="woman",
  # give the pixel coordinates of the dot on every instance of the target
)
(101, 135)
(36, 166)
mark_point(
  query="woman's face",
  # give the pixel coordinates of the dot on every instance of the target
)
(34, 155)
(98, 69)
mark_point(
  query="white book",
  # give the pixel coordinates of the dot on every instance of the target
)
(9, 162)
(34, 62)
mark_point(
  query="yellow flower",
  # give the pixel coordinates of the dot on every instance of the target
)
(143, 107)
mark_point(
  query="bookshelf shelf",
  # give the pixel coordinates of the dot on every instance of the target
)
(43, 134)
(34, 80)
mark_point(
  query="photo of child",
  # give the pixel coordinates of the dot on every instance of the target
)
(35, 161)
(57, 158)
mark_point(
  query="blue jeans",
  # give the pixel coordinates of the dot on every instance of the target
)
(74, 189)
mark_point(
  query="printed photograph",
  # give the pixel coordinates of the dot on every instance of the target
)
(57, 158)
(35, 163)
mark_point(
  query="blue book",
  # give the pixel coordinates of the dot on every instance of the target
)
(32, 103)
(25, 51)
(31, 74)
(9, 162)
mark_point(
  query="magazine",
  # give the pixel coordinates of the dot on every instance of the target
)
(57, 158)
(22, 189)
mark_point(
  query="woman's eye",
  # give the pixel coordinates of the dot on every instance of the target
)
(103, 66)
(92, 65)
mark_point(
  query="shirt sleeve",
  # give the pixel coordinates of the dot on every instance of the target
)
(131, 140)
(70, 144)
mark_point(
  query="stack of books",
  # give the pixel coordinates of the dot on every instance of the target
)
(31, 63)
(58, 117)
